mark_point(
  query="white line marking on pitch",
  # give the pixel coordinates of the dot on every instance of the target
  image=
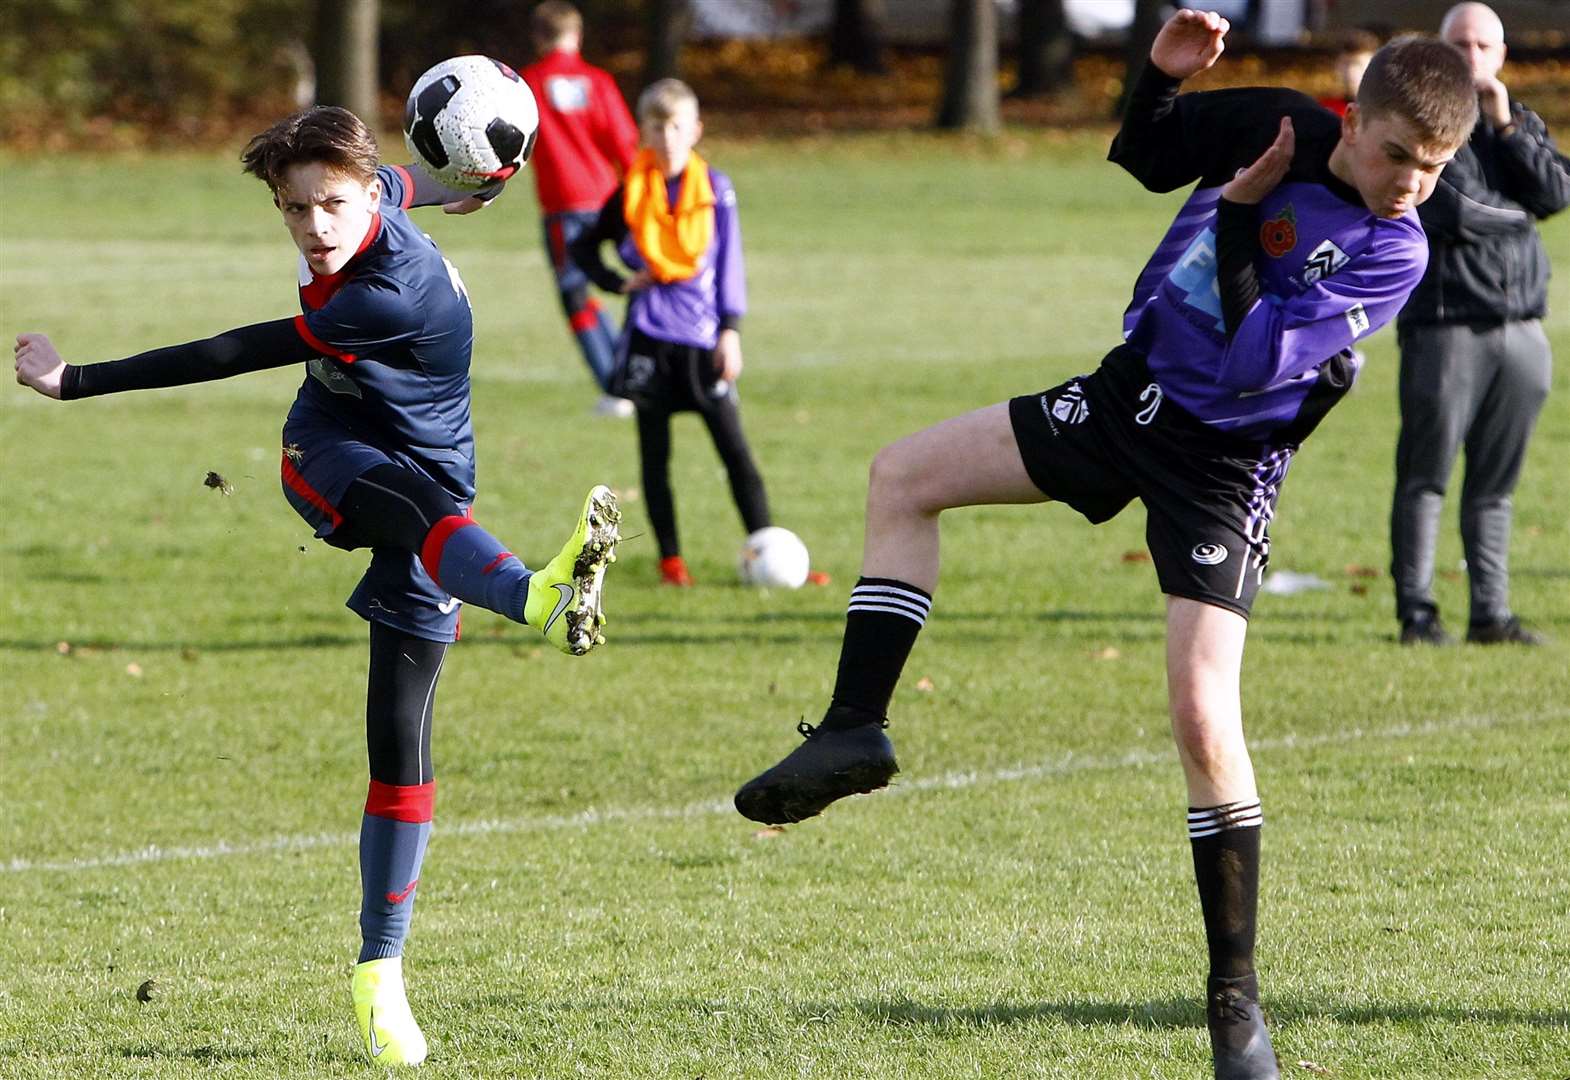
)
(1067, 765)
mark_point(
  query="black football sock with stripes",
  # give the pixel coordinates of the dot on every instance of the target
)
(881, 623)
(1225, 840)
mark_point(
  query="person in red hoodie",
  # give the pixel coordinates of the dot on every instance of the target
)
(587, 139)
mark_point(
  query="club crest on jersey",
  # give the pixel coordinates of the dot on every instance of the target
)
(1323, 261)
(332, 376)
(1279, 235)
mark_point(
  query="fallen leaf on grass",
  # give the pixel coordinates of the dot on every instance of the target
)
(134, 670)
(1313, 1067)
(1359, 589)
(144, 993)
(63, 648)
(1109, 653)
(1358, 570)
(1136, 556)
(925, 685)
(768, 832)
(218, 483)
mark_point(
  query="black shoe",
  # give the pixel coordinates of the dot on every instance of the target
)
(831, 764)
(1424, 629)
(1503, 632)
(1239, 1043)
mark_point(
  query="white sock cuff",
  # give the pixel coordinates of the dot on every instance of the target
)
(1206, 821)
(891, 600)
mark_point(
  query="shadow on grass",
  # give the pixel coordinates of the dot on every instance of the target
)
(1181, 1013)
(151, 1052)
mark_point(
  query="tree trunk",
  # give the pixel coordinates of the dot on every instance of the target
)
(667, 28)
(1046, 49)
(970, 83)
(856, 36)
(1147, 24)
(346, 55)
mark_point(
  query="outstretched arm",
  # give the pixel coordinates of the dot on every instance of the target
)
(411, 186)
(234, 352)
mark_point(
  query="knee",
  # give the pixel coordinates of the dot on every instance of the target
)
(1211, 740)
(892, 481)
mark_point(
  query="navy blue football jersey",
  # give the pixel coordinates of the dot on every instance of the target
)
(394, 332)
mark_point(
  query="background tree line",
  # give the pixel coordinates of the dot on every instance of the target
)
(185, 68)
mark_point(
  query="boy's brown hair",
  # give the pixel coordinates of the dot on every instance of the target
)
(1425, 82)
(552, 21)
(323, 133)
(659, 100)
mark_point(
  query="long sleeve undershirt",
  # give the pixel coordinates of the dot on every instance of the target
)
(234, 352)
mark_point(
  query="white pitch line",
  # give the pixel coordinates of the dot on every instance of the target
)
(1067, 765)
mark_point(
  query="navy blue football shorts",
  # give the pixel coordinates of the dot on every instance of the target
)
(320, 461)
(1099, 441)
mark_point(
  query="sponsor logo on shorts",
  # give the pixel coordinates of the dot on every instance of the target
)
(1071, 406)
(1209, 554)
(1153, 395)
(449, 605)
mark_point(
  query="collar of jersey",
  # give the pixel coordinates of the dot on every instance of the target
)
(322, 286)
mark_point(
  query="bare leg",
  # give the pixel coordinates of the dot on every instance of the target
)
(970, 460)
(1204, 671)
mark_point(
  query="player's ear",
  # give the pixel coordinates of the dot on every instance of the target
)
(374, 190)
(1349, 124)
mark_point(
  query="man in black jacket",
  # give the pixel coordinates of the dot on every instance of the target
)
(1474, 359)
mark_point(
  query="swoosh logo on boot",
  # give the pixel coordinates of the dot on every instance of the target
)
(564, 595)
(376, 1047)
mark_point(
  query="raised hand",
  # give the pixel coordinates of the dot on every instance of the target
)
(1252, 184)
(1493, 100)
(1189, 43)
(38, 364)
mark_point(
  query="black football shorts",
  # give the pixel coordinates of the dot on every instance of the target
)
(1099, 441)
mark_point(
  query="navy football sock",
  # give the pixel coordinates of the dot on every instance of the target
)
(881, 623)
(472, 565)
(393, 835)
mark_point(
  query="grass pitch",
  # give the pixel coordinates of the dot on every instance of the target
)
(181, 737)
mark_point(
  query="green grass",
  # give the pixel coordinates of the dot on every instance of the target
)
(183, 777)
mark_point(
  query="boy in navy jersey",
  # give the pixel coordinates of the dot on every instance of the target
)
(378, 452)
(1299, 240)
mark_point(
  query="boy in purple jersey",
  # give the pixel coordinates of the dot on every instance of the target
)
(674, 223)
(1299, 240)
(378, 452)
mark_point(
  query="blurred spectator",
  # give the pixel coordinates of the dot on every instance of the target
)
(587, 139)
(1357, 48)
(1474, 359)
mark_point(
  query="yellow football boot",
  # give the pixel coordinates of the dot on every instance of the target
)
(564, 595)
(387, 1027)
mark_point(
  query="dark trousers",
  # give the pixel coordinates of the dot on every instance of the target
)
(723, 420)
(1475, 386)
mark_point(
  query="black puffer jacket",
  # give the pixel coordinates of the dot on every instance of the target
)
(1486, 263)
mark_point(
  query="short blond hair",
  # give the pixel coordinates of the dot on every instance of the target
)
(660, 100)
(554, 20)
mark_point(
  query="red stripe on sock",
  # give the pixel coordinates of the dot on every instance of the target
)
(412, 803)
(584, 319)
(292, 477)
(436, 540)
(494, 563)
